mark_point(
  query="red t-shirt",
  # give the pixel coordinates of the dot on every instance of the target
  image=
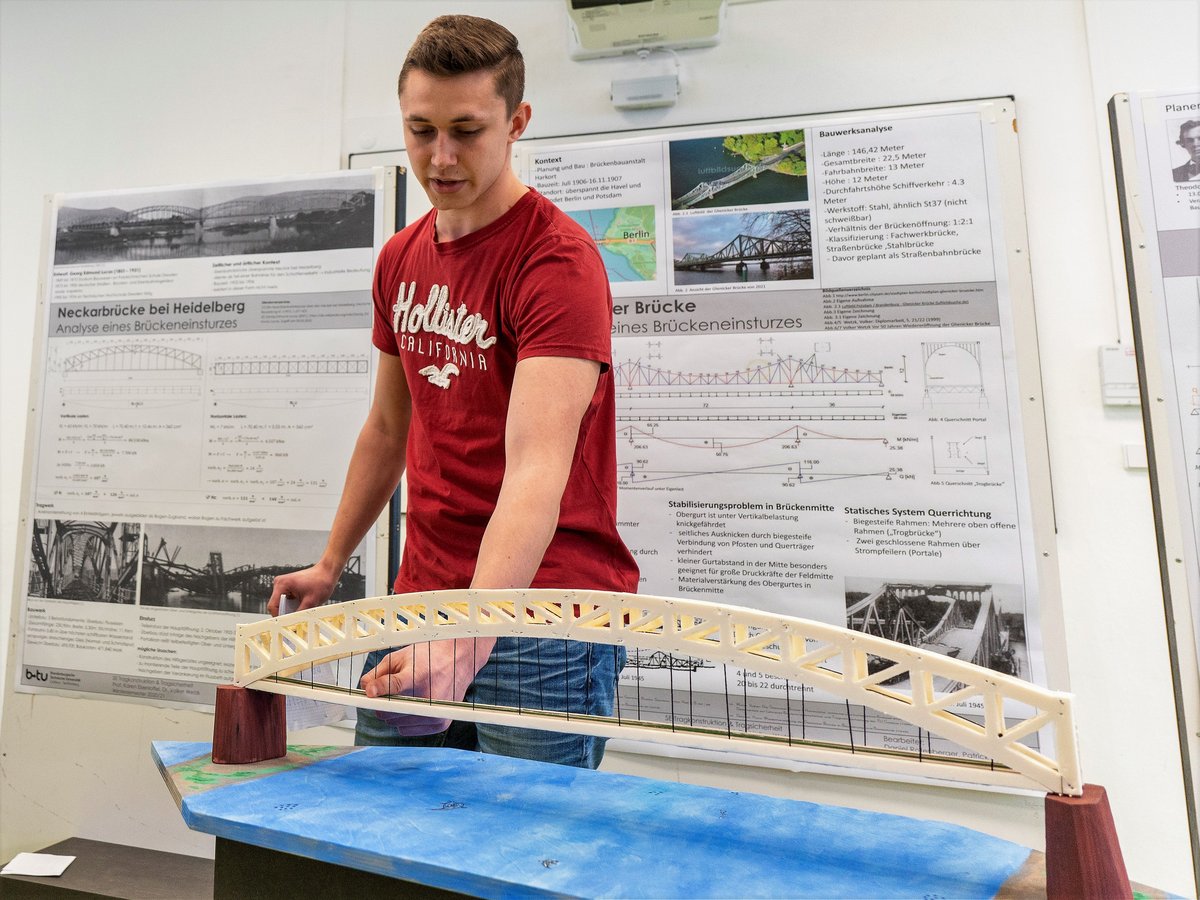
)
(460, 315)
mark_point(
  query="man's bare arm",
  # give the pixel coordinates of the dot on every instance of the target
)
(374, 471)
(549, 398)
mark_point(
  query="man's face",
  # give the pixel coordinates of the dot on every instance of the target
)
(458, 134)
(1189, 140)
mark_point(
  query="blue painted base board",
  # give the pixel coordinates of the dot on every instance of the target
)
(498, 827)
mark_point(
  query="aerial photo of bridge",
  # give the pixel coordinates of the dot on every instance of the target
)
(738, 170)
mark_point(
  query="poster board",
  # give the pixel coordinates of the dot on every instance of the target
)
(829, 396)
(202, 366)
(844, 422)
(1156, 145)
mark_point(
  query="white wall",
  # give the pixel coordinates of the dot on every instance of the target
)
(111, 95)
(273, 88)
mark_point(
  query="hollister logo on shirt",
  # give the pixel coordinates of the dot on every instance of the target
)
(413, 321)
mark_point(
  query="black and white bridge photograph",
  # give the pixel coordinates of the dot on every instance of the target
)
(229, 569)
(75, 559)
(252, 219)
(967, 620)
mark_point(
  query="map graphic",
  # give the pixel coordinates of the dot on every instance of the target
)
(626, 238)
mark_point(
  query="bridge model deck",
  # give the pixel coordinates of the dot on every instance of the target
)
(496, 827)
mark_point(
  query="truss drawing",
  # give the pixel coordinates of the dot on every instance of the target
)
(966, 456)
(953, 373)
(133, 358)
(131, 375)
(782, 370)
(269, 654)
(733, 394)
(790, 437)
(756, 418)
(291, 382)
(352, 365)
(651, 419)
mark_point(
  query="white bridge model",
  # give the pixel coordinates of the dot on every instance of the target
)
(270, 654)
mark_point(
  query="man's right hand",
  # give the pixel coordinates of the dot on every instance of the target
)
(311, 586)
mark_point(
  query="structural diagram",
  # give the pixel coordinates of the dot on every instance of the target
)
(953, 373)
(77, 560)
(132, 375)
(761, 418)
(960, 456)
(641, 471)
(290, 382)
(782, 371)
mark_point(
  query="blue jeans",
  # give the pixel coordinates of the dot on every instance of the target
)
(523, 673)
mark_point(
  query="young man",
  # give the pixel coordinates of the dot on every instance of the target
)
(495, 393)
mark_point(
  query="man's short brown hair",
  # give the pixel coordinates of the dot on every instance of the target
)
(454, 45)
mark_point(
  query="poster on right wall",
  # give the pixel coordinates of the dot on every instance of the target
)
(827, 392)
(1157, 138)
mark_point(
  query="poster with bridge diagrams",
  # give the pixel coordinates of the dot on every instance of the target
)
(1157, 136)
(818, 392)
(204, 367)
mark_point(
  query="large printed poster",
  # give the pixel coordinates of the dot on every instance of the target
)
(1163, 192)
(206, 366)
(817, 389)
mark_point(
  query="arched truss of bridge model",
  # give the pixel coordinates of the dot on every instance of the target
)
(268, 653)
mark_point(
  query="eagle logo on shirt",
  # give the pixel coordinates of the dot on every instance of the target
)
(439, 377)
